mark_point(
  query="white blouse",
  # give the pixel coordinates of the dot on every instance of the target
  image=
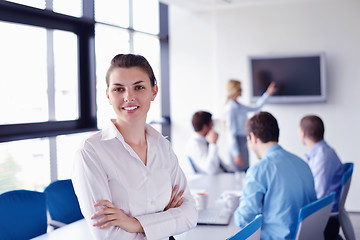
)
(107, 168)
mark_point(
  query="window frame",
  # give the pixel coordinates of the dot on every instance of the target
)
(84, 28)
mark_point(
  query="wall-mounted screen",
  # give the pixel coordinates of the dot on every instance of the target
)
(299, 78)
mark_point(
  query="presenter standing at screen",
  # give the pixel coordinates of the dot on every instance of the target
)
(235, 120)
(127, 177)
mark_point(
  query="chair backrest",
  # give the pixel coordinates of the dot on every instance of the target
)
(62, 202)
(313, 218)
(250, 231)
(192, 164)
(22, 214)
(345, 184)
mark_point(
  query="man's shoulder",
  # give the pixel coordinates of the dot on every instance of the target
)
(324, 152)
(194, 141)
(264, 165)
(282, 156)
(194, 138)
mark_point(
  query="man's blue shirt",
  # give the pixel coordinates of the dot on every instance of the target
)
(327, 170)
(277, 186)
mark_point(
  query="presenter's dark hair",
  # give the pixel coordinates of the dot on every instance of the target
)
(264, 126)
(313, 127)
(128, 61)
(199, 119)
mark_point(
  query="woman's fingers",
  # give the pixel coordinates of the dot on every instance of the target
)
(109, 215)
(103, 220)
(103, 211)
(178, 204)
(176, 199)
(109, 208)
(106, 203)
(174, 192)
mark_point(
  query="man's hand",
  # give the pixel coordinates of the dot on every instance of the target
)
(176, 198)
(212, 136)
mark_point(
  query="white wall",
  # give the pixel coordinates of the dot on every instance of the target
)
(209, 48)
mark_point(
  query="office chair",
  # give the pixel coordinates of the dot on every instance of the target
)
(344, 219)
(250, 231)
(192, 165)
(313, 218)
(22, 214)
(62, 203)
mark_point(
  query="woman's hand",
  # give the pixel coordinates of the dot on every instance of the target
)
(176, 198)
(112, 216)
(271, 89)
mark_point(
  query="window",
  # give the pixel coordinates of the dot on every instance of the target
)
(23, 85)
(117, 14)
(145, 16)
(24, 165)
(67, 7)
(49, 87)
(116, 33)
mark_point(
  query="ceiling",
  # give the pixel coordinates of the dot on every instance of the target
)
(209, 5)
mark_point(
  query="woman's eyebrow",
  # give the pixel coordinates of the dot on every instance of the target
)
(119, 84)
(140, 81)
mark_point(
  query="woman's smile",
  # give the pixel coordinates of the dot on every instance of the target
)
(130, 108)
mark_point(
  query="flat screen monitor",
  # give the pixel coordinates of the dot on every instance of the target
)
(299, 78)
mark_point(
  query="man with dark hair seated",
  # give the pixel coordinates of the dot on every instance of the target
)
(201, 147)
(325, 166)
(277, 186)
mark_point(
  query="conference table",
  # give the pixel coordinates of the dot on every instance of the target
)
(214, 185)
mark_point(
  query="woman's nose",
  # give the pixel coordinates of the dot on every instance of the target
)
(129, 97)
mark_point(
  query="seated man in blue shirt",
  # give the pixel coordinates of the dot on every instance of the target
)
(277, 186)
(325, 165)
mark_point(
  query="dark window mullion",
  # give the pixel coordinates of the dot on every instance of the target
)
(131, 26)
(165, 66)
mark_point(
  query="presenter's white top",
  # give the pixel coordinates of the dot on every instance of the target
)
(107, 168)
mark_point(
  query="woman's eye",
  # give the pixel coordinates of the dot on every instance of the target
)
(139, 87)
(118, 89)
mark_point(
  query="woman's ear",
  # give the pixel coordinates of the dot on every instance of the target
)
(155, 90)
(107, 95)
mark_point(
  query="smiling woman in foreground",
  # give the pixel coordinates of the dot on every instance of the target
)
(126, 176)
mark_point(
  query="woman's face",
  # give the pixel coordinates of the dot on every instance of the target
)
(130, 94)
(239, 92)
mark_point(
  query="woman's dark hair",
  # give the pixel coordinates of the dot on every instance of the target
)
(128, 61)
(313, 127)
(264, 126)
